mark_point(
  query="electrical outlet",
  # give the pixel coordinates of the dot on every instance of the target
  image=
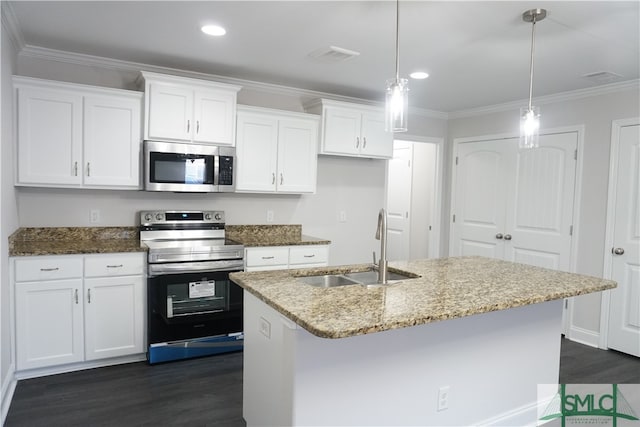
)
(265, 327)
(342, 216)
(443, 398)
(269, 216)
(94, 216)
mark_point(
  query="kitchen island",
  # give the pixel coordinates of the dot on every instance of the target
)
(466, 343)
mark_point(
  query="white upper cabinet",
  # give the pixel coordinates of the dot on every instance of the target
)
(276, 151)
(77, 136)
(352, 130)
(189, 110)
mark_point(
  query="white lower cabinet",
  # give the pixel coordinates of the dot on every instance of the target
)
(90, 316)
(285, 257)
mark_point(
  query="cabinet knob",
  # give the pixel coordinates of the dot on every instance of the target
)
(617, 251)
(499, 236)
(357, 141)
(507, 237)
(364, 142)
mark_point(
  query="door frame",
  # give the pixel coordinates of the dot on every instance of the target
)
(616, 126)
(436, 214)
(567, 314)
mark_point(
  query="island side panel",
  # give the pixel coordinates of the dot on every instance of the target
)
(492, 364)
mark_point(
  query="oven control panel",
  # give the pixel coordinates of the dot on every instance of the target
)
(178, 217)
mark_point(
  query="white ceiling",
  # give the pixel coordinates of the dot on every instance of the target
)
(477, 52)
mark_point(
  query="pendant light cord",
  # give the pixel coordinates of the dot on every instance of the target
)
(533, 45)
(397, 40)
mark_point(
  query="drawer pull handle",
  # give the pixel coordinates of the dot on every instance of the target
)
(309, 256)
(89, 295)
(75, 295)
(268, 257)
(114, 266)
(50, 269)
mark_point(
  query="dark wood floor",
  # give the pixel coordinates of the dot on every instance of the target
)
(208, 391)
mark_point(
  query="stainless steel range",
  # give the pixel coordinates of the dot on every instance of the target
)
(193, 308)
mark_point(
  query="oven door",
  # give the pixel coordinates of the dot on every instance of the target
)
(193, 305)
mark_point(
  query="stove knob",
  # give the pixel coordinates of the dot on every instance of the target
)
(207, 216)
(218, 217)
(159, 217)
(148, 217)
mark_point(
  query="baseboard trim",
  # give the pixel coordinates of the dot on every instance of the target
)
(525, 415)
(53, 370)
(584, 336)
(8, 388)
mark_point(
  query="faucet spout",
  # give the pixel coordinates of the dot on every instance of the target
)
(381, 234)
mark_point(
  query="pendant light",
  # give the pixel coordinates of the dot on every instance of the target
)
(530, 115)
(397, 93)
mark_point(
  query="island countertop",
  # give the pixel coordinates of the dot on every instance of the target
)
(447, 288)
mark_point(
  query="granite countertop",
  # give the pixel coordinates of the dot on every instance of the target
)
(271, 235)
(448, 288)
(74, 240)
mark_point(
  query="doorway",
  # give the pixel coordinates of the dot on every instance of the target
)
(413, 199)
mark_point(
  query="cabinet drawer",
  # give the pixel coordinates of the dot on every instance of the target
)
(267, 256)
(114, 265)
(310, 254)
(47, 268)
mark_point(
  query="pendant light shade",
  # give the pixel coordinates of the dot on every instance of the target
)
(530, 115)
(397, 93)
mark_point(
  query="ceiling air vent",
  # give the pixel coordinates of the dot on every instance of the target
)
(603, 77)
(333, 54)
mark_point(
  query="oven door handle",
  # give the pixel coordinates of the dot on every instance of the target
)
(194, 267)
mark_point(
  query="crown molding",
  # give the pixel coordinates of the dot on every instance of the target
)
(549, 99)
(10, 22)
(37, 52)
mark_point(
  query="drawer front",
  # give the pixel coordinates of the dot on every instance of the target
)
(114, 265)
(256, 257)
(47, 268)
(310, 254)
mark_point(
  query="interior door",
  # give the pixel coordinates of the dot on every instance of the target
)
(399, 201)
(540, 211)
(516, 204)
(482, 184)
(624, 309)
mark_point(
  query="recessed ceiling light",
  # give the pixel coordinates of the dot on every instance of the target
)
(214, 30)
(419, 75)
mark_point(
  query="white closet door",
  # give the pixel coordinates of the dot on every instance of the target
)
(540, 207)
(482, 185)
(624, 314)
(399, 201)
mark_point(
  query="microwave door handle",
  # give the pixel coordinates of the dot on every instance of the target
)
(216, 169)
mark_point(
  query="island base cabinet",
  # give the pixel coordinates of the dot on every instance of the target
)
(492, 364)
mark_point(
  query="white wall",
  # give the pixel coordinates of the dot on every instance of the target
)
(596, 114)
(8, 213)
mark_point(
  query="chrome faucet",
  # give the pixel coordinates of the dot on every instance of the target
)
(381, 234)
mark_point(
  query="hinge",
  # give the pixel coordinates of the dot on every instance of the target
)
(454, 217)
(456, 160)
(575, 154)
(571, 230)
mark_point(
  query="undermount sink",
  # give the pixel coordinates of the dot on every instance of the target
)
(367, 278)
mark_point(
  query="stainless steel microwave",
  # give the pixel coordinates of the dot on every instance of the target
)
(186, 167)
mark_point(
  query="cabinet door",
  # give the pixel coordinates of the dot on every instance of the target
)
(214, 116)
(170, 112)
(114, 316)
(297, 156)
(49, 137)
(49, 327)
(376, 142)
(256, 151)
(112, 141)
(341, 132)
